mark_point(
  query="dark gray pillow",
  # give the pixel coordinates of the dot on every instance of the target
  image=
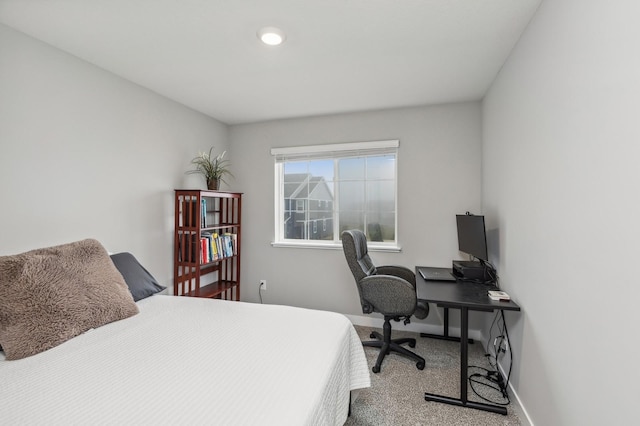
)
(141, 283)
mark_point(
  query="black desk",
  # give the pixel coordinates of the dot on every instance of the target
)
(464, 296)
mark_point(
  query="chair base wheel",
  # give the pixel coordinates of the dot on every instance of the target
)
(388, 345)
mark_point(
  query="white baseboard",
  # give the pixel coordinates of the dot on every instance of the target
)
(519, 407)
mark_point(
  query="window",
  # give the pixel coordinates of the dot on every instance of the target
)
(346, 186)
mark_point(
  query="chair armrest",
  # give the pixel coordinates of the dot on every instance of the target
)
(398, 271)
(388, 294)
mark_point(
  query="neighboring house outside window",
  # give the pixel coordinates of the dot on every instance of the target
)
(344, 186)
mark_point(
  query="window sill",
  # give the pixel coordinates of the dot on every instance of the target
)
(333, 246)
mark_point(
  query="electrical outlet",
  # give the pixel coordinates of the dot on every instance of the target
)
(263, 284)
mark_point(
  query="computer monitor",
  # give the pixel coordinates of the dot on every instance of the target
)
(472, 238)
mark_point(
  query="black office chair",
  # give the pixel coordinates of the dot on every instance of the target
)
(390, 290)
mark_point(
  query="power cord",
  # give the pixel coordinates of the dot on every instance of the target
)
(490, 274)
(493, 378)
(491, 358)
(506, 333)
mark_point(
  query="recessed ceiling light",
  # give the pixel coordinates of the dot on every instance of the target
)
(271, 35)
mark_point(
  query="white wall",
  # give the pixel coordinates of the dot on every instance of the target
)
(86, 154)
(560, 180)
(439, 176)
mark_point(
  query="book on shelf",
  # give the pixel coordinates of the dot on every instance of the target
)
(203, 213)
(219, 246)
(214, 246)
(203, 250)
(223, 245)
(228, 244)
(234, 243)
(499, 295)
(210, 247)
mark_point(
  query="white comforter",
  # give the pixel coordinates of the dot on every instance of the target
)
(193, 361)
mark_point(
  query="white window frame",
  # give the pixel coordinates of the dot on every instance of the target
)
(325, 151)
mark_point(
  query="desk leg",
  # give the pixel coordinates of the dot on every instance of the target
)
(445, 335)
(464, 364)
(464, 353)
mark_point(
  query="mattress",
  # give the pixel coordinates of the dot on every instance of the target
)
(193, 361)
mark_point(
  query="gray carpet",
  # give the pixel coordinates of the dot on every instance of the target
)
(396, 395)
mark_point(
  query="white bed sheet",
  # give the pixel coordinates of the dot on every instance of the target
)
(193, 361)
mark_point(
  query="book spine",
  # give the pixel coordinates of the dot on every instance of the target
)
(219, 246)
(234, 243)
(228, 245)
(203, 213)
(211, 249)
(209, 237)
(214, 246)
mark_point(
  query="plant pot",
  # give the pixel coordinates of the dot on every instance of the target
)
(213, 184)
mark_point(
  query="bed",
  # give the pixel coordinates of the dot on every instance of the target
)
(181, 360)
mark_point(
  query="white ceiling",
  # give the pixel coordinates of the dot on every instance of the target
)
(339, 56)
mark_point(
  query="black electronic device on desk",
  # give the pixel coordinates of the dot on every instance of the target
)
(472, 271)
(431, 273)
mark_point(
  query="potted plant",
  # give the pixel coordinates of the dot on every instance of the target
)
(212, 168)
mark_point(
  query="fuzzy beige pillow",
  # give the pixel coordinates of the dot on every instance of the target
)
(49, 295)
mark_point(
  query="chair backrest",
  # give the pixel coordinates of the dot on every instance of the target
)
(354, 245)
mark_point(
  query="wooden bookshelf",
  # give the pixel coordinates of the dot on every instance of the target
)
(207, 244)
